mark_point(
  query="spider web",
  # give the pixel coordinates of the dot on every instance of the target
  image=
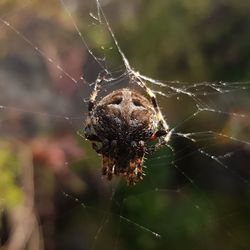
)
(197, 189)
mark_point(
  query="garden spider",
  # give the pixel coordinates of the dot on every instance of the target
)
(121, 126)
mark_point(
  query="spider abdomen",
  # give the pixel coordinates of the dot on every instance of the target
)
(120, 125)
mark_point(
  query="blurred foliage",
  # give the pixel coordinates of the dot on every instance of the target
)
(11, 194)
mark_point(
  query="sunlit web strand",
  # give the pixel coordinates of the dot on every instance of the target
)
(217, 84)
(213, 157)
(109, 79)
(190, 117)
(115, 81)
(218, 88)
(186, 155)
(223, 112)
(75, 199)
(196, 90)
(213, 134)
(201, 109)
(176, 90)
(140, 226)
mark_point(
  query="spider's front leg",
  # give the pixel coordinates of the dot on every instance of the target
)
(99, 146)
(93, 96)
(163, 137)
(162, 124)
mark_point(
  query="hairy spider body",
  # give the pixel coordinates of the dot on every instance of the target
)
(120, 126)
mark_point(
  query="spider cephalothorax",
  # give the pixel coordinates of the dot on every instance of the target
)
(120, 127)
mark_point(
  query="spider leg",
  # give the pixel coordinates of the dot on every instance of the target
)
(162, 141)
(162, 124)
(93, 96)
(108, 162)
(153, 99)
(158, 134)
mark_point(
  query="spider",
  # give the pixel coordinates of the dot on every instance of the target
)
(121, 127)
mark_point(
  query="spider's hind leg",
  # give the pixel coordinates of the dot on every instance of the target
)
(108, 167)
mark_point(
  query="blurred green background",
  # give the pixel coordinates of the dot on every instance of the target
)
(52, 195)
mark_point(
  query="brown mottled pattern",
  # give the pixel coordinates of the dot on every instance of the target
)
(122, 123)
